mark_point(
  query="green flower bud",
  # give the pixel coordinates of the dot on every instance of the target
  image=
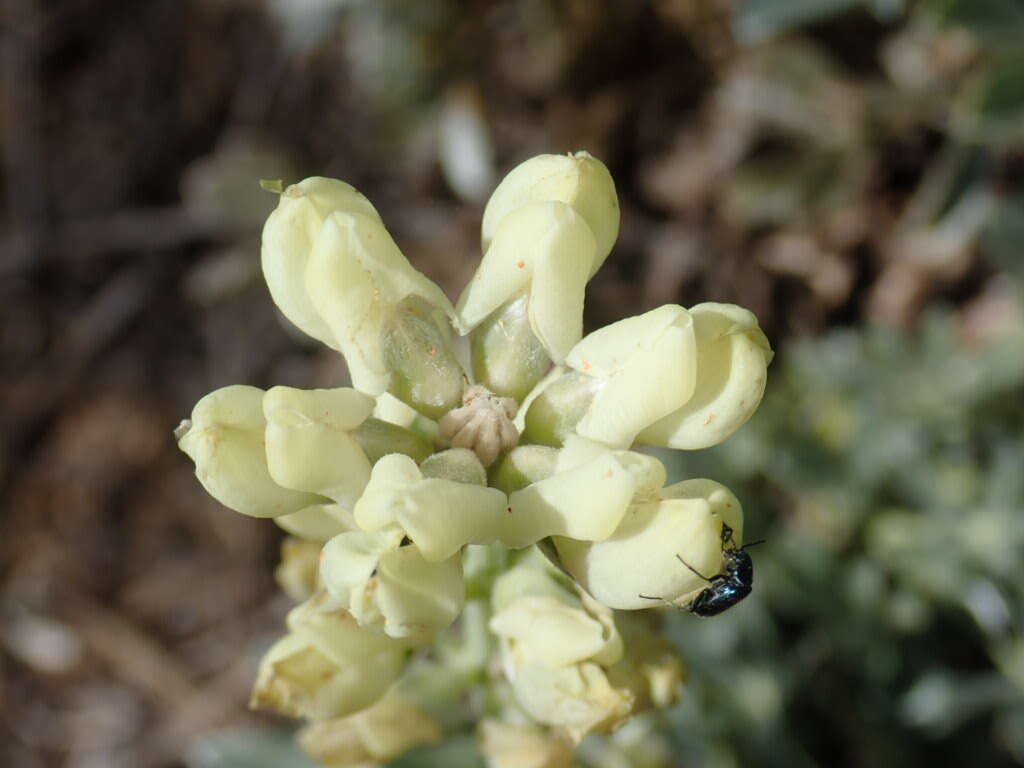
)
(556, 407)
(417, 351)
(225, 439)
(642, 556)
(524, 465)
(507, 358)
(458, 464)
(327, 666)
(378, 438)
(309, 445)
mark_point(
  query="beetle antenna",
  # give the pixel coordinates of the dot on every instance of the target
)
(662, 599)
(755, 543)
(679, 557)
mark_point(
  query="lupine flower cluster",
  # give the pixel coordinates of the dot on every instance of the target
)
(471, 525)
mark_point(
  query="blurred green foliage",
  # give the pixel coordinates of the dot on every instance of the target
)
(886, 470)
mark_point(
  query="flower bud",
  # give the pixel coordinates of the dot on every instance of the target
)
(375, 736)
(393, 411)
(378, 438)
(732, 361)
(650, 668)
(524, 465)
(390, 587)
(440, 516)
(417, 350)
(483, 423)
(556, 406)
(327, 666)
(554, 645)
(458, 464)
(298, 572)
(521, 745)
(309, 447)
(288, 238)
(507, 358)
(579, 180)
(355, 278)
(225, 439)
(574, 700)
(585, 498)
(547, 250)
(642, 556)
(644, 368)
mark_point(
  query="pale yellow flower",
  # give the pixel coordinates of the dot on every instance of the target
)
(642, 556)
(373, 737)
(225, 439)
(390, 587)
(327, 666)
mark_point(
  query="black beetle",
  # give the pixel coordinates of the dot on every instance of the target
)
(730, 586)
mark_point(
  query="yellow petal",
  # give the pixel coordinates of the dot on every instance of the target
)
(732, 360)
(327, 666)
(225, 440)
(549, 247)
(355, 273)
(545, 630)
(647, 366)
(288, 238)
(318, 523)
(522, 745)
(440, 516)
(576, 700)
(579, 180)
(640, 558)
(308, 444)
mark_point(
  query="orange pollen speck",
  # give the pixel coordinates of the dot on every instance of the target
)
(521, 264)
(432, 351)
(586, 365)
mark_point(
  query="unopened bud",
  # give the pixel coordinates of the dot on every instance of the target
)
(579, 180)
(417, 351)
(524, 465)
(483, 424)
(458, 464)
(553, 414)
(508, 358)
(379, 438)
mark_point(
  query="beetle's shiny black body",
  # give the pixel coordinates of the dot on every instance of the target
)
(727, 588)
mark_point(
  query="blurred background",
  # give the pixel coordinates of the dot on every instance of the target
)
(850, 170)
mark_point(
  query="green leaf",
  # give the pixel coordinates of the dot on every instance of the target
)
(1001, 241)
(996, 22)
(247, 748)
(460, 752)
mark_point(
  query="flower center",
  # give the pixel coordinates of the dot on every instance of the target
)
(483, 423)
